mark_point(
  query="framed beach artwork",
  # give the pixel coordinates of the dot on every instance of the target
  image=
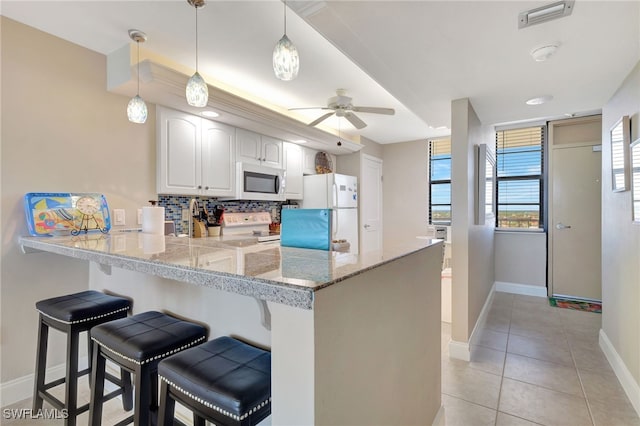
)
(620, 139)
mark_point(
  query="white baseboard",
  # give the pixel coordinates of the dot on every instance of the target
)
(462, 350)
(524, 289)
(439, 420)
(630, 386)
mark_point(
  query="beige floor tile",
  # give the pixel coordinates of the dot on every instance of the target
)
(505, 299)
(602, 386)
(613, 414)
(554, 350)
(589, 356)
(541, 405)
(543, 373)
(536, 329)
(487, 359)
(458, 412)
(492, 339)
(473, 385)
(509, 420)
(498, 320)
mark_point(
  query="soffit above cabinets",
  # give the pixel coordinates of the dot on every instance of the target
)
(163, 85)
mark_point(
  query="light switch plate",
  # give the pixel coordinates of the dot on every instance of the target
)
(118, 217)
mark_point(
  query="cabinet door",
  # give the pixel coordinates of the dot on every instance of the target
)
(218, 159)
(178, 152)
(293, 167)
(271, 152)
(309, 161)
(249, 146)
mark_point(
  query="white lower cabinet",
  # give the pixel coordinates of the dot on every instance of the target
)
(195, 156)
(293, 160)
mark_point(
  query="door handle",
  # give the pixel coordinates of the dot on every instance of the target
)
(562, 226)
(367, 226)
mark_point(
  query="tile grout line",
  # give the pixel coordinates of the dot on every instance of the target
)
(575, 365)
(504, 363)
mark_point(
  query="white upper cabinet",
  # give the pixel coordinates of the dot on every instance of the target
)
(293, 159)
(195, 156)
(254, 148)
(309, 161)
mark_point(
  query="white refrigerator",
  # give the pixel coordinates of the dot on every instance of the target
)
(339, 193)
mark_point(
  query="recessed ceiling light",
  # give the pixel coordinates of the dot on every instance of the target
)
(539, 100)
(542, 53)
(300, 141)
(210, 114)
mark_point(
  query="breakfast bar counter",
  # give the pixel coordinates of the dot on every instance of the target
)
(355, 338)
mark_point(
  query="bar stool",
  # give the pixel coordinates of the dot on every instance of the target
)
(225, 381)
(73, 314)
(137, 344)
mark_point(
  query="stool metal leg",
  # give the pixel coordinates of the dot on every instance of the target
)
(41, 364)
(97, 392)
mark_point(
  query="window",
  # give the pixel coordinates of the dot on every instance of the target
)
(520, 185)
(440, 182)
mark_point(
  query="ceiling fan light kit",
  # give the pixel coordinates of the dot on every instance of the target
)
(197, 92)
(286, 62)
(137, 108)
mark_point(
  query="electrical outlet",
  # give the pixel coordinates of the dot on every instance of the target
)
(118, 217)
(139, 216)
(185, 215)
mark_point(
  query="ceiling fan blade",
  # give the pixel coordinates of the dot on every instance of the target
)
(353, 119)
(296, 109)
(374, 110)
(319, 120)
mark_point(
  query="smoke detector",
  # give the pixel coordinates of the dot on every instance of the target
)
(542, 53)
(545, 13)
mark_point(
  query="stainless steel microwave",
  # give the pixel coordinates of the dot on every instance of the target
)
(255, 182)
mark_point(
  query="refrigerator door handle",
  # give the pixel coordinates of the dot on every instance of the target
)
(334, 225)
(335, 196)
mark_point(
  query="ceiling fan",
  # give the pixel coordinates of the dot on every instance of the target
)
(341, 106)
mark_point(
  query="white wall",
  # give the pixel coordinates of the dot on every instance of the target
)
(621, 245)
(61, 132)
(406, 190)
(472, 245)
(521, 258)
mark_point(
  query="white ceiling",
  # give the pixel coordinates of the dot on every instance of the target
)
(414, 56)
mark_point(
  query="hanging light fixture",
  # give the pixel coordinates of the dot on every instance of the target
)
(286, 62)
(137, 109)
(197, 90)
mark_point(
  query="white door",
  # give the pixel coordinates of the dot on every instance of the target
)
(574, 224)
(371, 204)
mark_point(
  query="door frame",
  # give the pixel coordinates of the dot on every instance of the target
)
(550, 228)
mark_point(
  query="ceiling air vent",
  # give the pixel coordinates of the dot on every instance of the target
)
(545, 13)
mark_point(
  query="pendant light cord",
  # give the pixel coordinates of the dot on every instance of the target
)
(285, 17)
(138, 90)
(196, 7)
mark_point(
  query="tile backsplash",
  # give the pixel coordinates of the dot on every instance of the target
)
(174, 204)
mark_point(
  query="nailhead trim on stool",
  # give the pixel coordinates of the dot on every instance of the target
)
(137, 344)
(225, 381)
(73, 314)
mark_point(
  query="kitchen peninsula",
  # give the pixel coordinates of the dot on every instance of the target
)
(355, 339)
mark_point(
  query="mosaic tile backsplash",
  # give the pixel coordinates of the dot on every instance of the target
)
(174, 204)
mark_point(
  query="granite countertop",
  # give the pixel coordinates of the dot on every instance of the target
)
(240, 265)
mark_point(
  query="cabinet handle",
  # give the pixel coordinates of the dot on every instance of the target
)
(206, 187)
(199, 186)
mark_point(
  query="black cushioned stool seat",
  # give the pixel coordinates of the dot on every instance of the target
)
(73, 314)
(225, 381)
(138, 343)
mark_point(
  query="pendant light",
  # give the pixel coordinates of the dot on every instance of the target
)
(137, 109)
(197, 90)
(286, 62)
